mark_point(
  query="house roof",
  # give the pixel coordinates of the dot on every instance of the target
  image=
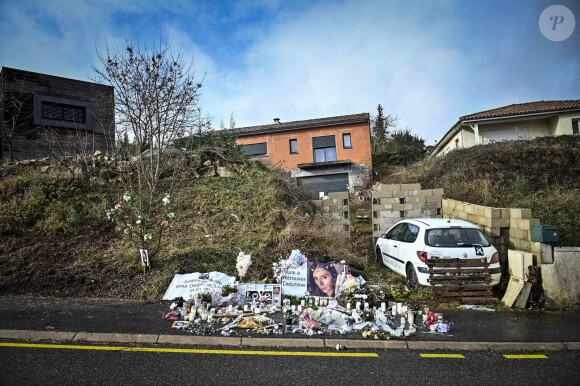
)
(525, 108)
(283, 126)
(514, 110)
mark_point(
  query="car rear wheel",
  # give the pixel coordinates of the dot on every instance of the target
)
(412, 280)
(379, 256)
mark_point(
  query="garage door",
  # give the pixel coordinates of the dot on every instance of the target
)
(328, 183)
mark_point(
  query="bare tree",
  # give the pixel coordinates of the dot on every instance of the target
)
(156, 102)
(15, 116)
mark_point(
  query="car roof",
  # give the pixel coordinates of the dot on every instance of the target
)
(441, 222)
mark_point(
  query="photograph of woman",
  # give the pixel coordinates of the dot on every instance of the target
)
(144, 257)
(322, 279)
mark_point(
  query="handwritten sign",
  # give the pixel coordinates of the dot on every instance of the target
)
(269, 294)
(295, 280)
(191, 284)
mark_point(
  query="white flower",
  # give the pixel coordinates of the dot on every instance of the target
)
(127, 196)
(138, 222)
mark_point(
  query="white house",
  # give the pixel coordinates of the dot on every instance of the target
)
(518, 121)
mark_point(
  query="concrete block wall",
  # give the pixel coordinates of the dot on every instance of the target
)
(395, 202)
(337, 206)
(506, 228)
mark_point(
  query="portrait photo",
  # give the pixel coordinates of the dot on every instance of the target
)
(144, 256)
(322, 279)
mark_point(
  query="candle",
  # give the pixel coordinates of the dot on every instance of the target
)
(212, 311)
(394, 309)
(293, 307)
(246, 308)
(426, 310)
(300, 308)
(384, 307)
(399, 308)
(425, 317)
(192, 314)
(209, 318)
(357, 306)
(303, 303)
(230, 308)
(204, 316)
(348, 306)
(366, 305)
(411, 318)
(405, 309)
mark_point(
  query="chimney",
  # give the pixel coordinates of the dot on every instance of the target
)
(276, 120)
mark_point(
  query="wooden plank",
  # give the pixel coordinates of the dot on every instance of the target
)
(450, 280)
(482, 300)
(458, 270)
(451, 287)
(465, 263)
(465, 294)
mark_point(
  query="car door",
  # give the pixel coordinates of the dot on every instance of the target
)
(407, 248)
(390, 246)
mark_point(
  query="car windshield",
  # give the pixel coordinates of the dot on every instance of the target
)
(455, 237)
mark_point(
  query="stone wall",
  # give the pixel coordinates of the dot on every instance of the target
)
(560, 279)
(336, 206)
(395, 202)
(506, 228)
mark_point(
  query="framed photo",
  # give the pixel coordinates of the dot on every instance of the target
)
(180, 324)
(144, 257)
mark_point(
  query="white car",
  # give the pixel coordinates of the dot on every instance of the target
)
(406, 247)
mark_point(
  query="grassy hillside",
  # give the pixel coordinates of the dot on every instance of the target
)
(541, 174)
(56, 240)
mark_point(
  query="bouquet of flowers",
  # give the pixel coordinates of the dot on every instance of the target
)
(243, 263)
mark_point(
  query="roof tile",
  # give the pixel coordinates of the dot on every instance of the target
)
(525, 108)
(272, 127)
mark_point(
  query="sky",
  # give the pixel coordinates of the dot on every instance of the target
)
(427, 62)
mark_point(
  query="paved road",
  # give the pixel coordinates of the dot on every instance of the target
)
(47, 366)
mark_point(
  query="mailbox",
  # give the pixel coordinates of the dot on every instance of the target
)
(545, 233)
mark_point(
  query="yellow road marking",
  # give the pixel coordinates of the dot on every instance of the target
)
(526, 356)
(190, 351)
(442, 356)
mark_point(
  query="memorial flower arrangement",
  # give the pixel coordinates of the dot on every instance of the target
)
(295, 259)
(243, 262)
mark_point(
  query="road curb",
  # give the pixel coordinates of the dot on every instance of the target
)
(281, 342)
(36, 335)
(526, 346)
(32, 335)
(464, 346)
(116, 338)
(572, 346)
(199, 340)
(370, 344)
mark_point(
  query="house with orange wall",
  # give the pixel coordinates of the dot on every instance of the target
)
(326, 154)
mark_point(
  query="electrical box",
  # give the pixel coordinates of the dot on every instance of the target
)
(545, 233)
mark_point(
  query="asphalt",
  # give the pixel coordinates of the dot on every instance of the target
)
(92, 321)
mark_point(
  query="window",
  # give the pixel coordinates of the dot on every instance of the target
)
(455, 237)
(325, 154)
(324, 148)
(575, 129)
(62, 112)
(411, 233)
(255, 149)
(346, 144)
(397, 232)
(293, 146)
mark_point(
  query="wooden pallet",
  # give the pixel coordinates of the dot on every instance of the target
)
(463, 280)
